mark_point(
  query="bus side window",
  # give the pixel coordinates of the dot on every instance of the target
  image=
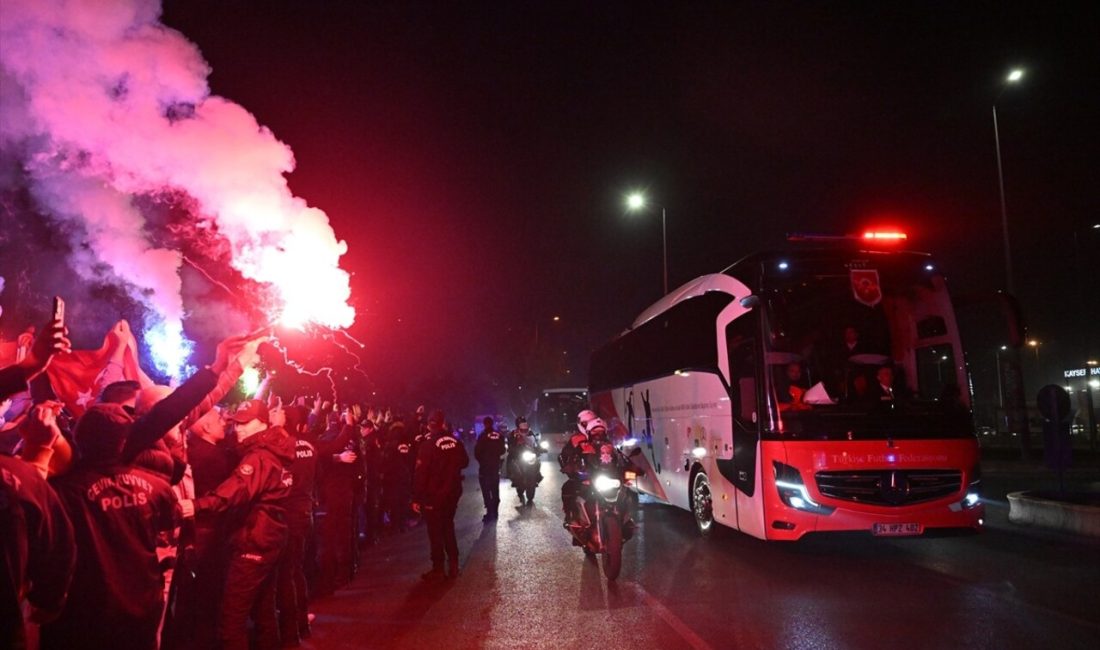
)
(741, 343)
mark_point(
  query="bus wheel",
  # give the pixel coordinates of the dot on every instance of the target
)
(701, 504)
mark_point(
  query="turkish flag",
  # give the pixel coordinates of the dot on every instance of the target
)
(866, 287)
(80, 376)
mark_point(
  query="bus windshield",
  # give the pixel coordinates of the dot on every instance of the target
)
(557, 408)
(863, 348)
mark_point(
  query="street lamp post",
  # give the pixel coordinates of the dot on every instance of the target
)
(1015, 411)
(1013, 77)
(636, 201)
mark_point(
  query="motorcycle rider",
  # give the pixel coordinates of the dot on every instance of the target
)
(574, 459)
(570, 459)
(525, 480)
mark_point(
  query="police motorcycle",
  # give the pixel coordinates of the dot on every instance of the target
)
(525, 467)
(600, 522)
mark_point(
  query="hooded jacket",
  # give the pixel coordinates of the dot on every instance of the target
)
(258, 487)
(117, 512)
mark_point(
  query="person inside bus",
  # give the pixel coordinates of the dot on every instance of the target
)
(859, 392)
(852, 343)
(882, 388)
(791, 387)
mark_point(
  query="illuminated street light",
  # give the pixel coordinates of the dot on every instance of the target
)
(1015, 76)
(636, 201)
(1034, 344)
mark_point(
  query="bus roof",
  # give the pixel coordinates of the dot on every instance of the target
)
(704, 284)
(747, 267)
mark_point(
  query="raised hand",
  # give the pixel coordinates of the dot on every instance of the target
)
(53, 339)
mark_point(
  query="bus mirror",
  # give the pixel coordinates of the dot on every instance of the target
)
(750, 302)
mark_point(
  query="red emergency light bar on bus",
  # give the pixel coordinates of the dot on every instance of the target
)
(883, 236)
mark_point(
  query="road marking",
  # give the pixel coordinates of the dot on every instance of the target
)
(673, 621)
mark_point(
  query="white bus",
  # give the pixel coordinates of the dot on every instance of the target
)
(555, 413)
(754, 394)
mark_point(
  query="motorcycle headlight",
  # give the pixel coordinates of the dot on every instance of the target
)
(545, 444)
(528, 456)
(605, 483)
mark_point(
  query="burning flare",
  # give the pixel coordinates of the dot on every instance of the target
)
(106, 107)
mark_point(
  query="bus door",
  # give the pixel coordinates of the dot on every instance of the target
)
(741, 342)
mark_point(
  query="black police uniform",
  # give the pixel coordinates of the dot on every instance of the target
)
(397, 473)
(261, 483)
(292, 594)
(117, 592)
(437, 486)
(37, 549)
(488, 451)
(199, 585)
(337, 481)
(372, 458)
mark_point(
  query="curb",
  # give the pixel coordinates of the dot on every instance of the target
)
(1023, 508)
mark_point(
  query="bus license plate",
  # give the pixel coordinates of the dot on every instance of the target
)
(895, 530)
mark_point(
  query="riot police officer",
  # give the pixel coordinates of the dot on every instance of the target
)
(488, 451)
(437, 486)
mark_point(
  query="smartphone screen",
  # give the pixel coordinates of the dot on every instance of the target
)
(59, 309)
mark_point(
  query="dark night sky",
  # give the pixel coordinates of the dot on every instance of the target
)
(474, 156)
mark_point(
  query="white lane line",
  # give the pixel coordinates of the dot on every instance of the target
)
(673, 621)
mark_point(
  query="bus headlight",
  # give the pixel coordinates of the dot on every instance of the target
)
(605, 483)
(793, 492)
(528, 457)
(973, 496)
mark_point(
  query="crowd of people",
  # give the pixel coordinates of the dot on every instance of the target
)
(157, 519)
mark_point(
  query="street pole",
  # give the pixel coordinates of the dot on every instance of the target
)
(664, 248)
(1092, 415)
(1016, 403)
(1004, 212)
(1000, 390)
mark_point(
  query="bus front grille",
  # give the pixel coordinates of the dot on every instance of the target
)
(894, 487)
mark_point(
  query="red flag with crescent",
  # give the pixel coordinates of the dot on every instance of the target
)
(866, 287)
(78, 377)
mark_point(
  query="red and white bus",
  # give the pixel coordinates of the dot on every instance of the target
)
(757, 395)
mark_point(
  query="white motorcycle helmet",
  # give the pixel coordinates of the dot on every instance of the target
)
(583, 418)
(593, 424)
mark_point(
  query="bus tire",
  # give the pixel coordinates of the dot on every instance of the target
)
(702, 505)
(613, 548)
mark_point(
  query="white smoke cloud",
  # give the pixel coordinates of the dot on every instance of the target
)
(105, 104)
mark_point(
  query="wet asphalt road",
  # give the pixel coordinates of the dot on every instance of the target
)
(523, 585)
